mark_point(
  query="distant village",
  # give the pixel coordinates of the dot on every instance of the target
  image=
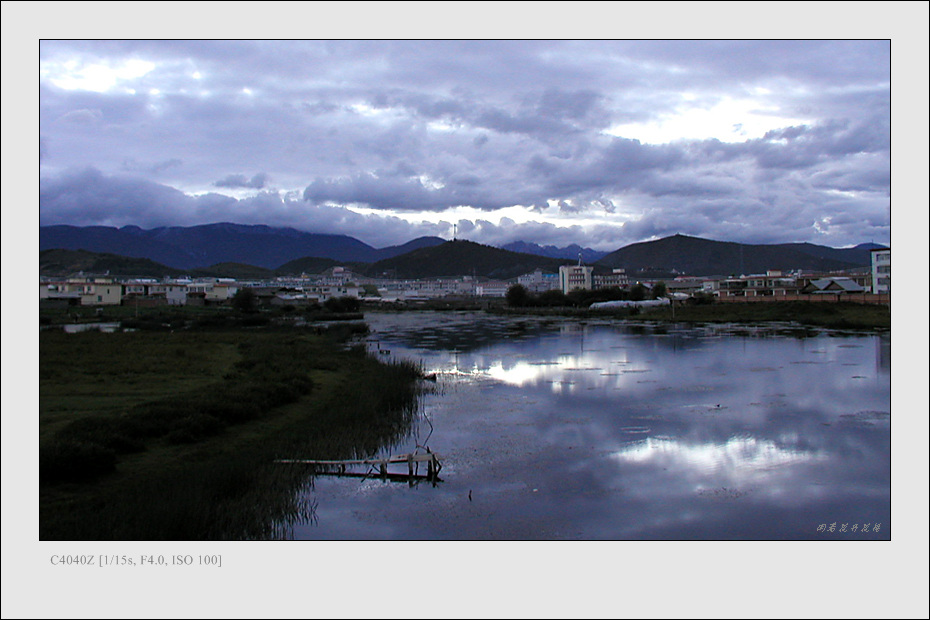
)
(865, 286)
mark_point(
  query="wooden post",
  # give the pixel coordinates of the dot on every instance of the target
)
(410, 465)
(384, 468)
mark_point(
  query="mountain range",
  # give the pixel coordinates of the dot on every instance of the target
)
(209, 244)
(231, 249)
(570, 252)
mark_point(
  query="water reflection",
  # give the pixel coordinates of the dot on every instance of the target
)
(594, 430)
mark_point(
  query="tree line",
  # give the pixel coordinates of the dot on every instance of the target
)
(519, 297)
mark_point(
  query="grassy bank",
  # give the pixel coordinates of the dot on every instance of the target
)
(173, 435)
(838, 315)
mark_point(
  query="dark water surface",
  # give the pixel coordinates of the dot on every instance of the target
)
(563, 429)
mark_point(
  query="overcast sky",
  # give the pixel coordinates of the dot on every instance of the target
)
(597, 142)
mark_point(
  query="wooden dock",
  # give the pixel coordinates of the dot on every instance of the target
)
(433, 466)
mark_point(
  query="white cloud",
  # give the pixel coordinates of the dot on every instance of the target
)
(727, 120)
(98, 77)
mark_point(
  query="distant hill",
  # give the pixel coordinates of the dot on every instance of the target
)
(239, 271)
(696, 256)
(860, 255)
(454, 258)
(416, 244)
(126, 242)
(251, 252)
(210, 244)
(63, 263)
(309, 265)
(569, 252)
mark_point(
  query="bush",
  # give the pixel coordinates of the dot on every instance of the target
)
(342, 304)
(638, 292)
(518, 296)
(244, 300)
(257, 320)
(553, 298)
(701, 299)
(112, 434)
(231, 410)
(65, 460)
(194, 428)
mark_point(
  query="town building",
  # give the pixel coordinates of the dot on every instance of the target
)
(90, 291)
(881, 271)
(833, 285)
(576, 277)
(616, 278)
(174, 291)
(688, 287)
(539, 281)
(769, 284)
(492, 288)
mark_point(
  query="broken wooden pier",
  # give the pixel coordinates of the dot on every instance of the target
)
(341, 467)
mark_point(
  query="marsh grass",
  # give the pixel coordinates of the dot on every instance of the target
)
(178, 437)
(830, 315)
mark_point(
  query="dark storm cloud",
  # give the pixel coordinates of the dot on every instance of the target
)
(540, 114)
(86, 197)
(399, 192)
(615, 165)
(240, 180)
(409, 126)
(131, 165)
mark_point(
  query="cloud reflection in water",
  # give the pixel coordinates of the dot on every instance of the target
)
(599, 431)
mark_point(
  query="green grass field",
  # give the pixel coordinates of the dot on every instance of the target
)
(155, 435)
(834, 315)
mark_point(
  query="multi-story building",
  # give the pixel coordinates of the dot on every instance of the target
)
(881, 271)
(174, 291)
(769, 284)
(617, 278)
(90, 291)
(58, 292)
(492, 288)
(575, 277)
(340, 276)
(539, 281)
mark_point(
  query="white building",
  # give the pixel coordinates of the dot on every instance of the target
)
(574, 277)
(539, 281)
(175, 291)
(492, 288)
(881, 271)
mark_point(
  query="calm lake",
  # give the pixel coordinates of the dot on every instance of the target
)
(591, 430)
